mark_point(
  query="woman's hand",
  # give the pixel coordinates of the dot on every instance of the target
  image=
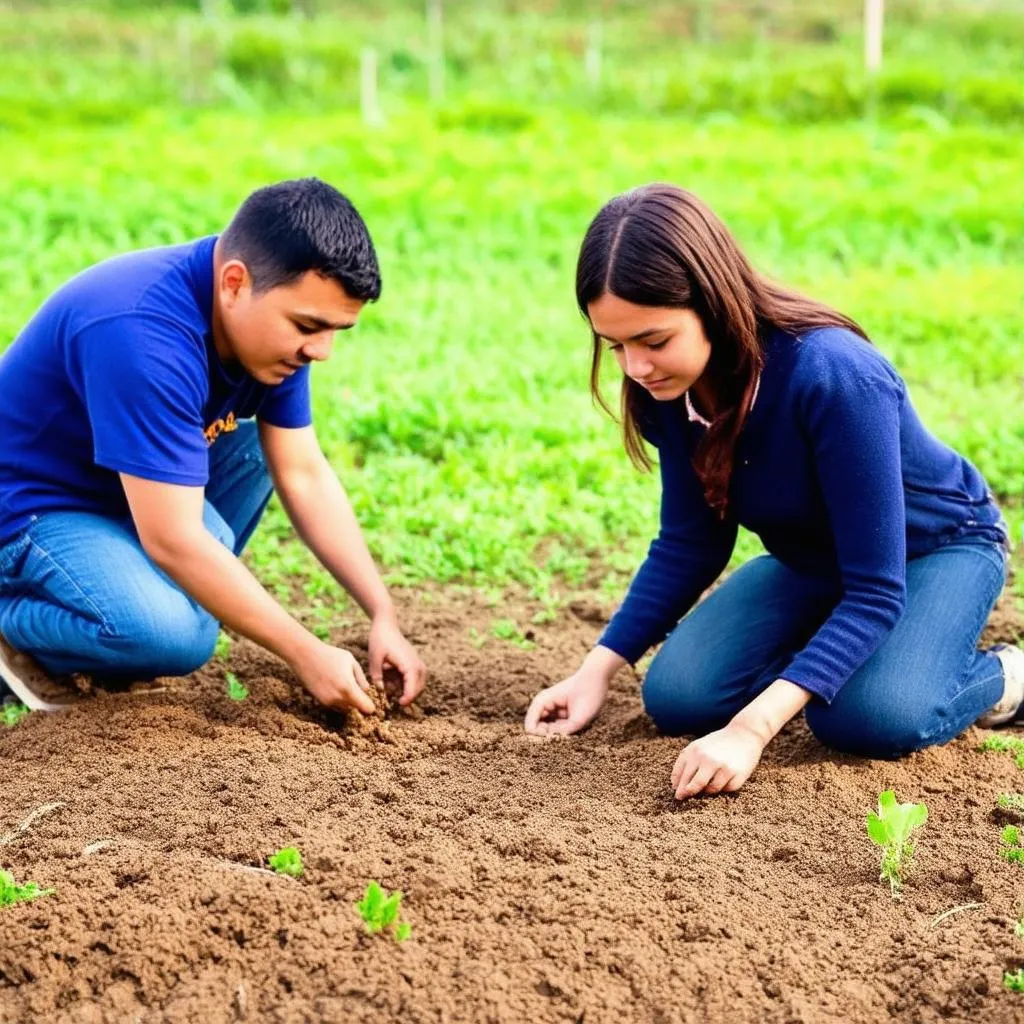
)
(567, 706)
(573, 703)
(721, 761)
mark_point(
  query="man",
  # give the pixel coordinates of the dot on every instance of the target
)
(142, 408)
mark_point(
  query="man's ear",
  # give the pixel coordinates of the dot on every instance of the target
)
(234, 278)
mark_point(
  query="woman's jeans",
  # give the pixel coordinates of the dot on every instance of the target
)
(925, 684)
(79, 594)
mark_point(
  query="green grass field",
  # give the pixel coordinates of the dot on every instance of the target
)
(458, 413)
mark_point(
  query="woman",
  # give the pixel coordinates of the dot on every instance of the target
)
(886, 551)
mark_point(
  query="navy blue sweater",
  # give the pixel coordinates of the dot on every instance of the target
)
(837, 476)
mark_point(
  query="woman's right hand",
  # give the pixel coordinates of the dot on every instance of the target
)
(573, 703)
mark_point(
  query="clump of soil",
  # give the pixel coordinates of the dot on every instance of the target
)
(544, 881)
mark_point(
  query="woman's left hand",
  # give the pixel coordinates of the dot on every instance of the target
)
(721, 761)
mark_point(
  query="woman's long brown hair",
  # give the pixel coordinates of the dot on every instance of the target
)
(659, 245)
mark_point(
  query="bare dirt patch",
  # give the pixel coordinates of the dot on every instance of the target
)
(552, 881)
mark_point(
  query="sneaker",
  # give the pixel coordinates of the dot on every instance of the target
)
(30, 683)
(1010, 704)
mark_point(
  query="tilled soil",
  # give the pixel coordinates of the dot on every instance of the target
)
(545, 881)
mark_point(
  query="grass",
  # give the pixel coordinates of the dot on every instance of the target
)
(457, 414)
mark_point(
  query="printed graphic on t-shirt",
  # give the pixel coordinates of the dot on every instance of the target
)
(220, 426)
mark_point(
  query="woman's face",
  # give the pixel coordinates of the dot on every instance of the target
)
(663, 349)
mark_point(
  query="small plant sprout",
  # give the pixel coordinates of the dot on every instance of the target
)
(1006, 744)
(1011, 801)
(506, 629)
(1013, 845)
(11, 892)
(892, 828)
(222, 646)
(12, 712)
(380, 910)
(236, 690)
(287, 862)
(1014, 980)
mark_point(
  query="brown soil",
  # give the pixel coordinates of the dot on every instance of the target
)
(545, 881)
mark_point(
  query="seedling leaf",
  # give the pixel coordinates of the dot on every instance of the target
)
(1014, 980)
(11, 892)
(287, 861)
(236, 691)
(13, 712)
(891, 828)
(380, 910)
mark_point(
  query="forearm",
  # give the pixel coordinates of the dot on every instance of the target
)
(322, 515)
(771, 709)
(215, 577)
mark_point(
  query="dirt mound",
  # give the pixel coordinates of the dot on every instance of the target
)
(545, 881)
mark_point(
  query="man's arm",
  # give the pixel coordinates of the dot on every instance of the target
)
(322, 515)
(169, 521)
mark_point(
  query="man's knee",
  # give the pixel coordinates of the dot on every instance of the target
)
(171, 638)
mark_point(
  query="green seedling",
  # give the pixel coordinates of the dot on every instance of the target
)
(380, 910)
(1014, 980)
(1006, 744)
(287, 862)
(222, 647)
(476, 638)
(13, 712)
(236, 690)
(1011, 801)
(506, 629)
(11, 892)
(1013, 845)
(892, 828)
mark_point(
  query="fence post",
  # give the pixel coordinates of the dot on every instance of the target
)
(592, 58)
(369, 94)
(435, 44)
(874, 16)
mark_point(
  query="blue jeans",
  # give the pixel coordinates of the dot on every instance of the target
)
(79, 594)
(925, 684)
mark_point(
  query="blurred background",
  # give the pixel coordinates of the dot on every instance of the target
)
(869, 154)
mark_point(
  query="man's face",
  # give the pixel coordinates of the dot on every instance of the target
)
(275, 332)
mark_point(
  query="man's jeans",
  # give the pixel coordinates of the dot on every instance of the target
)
(78, 593)
(925, 684)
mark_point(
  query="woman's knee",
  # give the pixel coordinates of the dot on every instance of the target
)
(884, 731)
(679, 700)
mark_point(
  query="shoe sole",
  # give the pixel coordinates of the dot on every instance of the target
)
(22, 690)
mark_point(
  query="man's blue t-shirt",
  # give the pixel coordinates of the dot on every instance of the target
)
(117, 373)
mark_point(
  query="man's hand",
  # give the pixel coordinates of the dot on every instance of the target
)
(389, 648)
(333, 676)
(722, 760)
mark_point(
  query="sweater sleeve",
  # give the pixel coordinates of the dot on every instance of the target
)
(691, 550)
(853, 423)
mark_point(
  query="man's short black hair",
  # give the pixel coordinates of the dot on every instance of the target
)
(285, 230)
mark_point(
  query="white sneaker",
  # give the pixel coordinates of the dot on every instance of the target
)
(1012, 660)
(32, 684)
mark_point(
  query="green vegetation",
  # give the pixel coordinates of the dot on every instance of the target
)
(222, 647)
(287, 861)
(1011, 801)
(1006, 744)
(12, 712)
(1014, 980)
(236, 690)
(11, 892)
(1013, 846)
(380, 910)
(458, 414)
(506, 629)
(892, 829)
